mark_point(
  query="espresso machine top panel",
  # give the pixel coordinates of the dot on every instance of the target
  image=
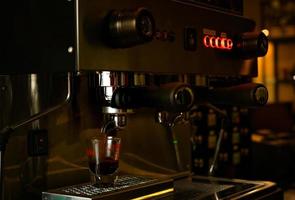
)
(167, 36)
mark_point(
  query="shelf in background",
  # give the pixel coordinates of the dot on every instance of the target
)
(286, 81)
(282, 34)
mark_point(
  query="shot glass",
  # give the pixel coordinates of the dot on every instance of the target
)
(103, 158)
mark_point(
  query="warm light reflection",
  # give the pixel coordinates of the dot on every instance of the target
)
(266, 72)
(266, 32)
(256, 137)
(149, 196)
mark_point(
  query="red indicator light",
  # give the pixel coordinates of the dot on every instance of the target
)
(206, 41)
(229, 44)
(217, 42)
(212, 42)
(224, 43)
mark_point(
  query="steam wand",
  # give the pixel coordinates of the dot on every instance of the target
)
(114, 124)
(220, 136)
(218, 144)
(169, 120)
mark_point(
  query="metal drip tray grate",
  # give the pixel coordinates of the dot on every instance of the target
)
(90, 190)
(127, 187)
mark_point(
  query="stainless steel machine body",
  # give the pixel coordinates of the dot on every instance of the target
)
(111, 47)
(84, 35)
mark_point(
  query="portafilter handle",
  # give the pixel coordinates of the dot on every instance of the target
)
(249, 95)
(176, 97)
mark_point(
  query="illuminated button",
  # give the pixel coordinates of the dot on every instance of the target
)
(229, 44)
(190, 39)
(223, 43)
(212, 42)
(218, 43)
(206, 41)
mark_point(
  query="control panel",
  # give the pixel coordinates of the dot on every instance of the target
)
(222, 42)
(166, 37)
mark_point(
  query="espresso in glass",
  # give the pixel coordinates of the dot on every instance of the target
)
(103, 160)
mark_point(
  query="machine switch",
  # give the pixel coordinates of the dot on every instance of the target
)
(38, 142)
(190, 39)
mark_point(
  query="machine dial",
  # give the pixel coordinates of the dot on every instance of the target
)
(127, 28)
(252, 44)
(184, 97)
(260, 95)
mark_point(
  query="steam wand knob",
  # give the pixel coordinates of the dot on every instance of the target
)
(252, 44)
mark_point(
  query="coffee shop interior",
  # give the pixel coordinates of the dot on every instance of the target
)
(201, 98)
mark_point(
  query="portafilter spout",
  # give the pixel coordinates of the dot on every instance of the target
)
(114, 118)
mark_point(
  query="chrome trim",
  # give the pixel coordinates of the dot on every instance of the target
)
(77, 36)
(155, 194)
(47, 111)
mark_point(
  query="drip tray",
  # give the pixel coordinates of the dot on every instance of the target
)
(127, 187)
(208, 188)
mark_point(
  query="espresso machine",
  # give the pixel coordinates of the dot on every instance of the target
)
(135, 69)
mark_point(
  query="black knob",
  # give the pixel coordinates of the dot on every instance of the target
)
(127, 28)
(260, 95)
(183, 97)
(252, 44)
